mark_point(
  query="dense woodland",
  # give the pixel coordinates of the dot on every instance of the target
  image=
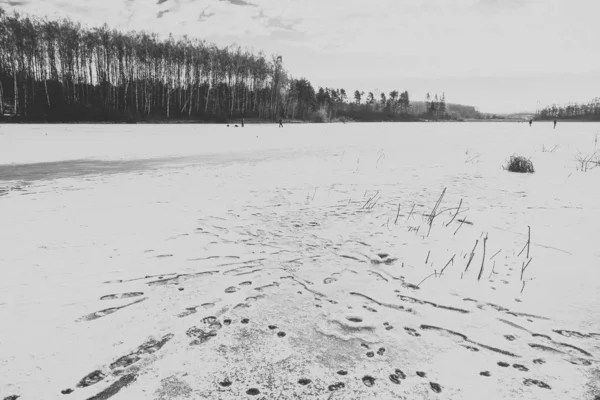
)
(575, 111)
(62, 71)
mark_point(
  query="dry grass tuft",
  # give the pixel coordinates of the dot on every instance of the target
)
(519, 164)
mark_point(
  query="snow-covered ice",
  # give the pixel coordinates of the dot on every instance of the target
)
(200, 261)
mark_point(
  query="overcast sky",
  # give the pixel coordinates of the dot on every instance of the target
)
(499, 55)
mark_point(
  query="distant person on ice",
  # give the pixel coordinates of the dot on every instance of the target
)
(530, 122)
(280, 123)
(554, 124)
(242, 122)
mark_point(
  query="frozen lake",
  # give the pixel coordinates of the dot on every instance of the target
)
(308, 207)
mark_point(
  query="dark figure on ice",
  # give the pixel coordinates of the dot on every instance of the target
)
(281, 123)
(554, 124)
(242, 122)
(530, 122)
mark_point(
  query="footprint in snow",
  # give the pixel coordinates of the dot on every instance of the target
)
(535, 382)
(520, 367)
(121, 296)
(225, 383)
(354, 319)
(368, 380)
(336, 386)
(435, 387)
(412, 332)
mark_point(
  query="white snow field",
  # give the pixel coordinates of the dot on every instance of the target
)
(206, 262)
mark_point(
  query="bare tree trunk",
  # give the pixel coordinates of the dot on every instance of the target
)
(1, 100)
(16, 99)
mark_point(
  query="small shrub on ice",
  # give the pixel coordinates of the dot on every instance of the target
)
(520, 164)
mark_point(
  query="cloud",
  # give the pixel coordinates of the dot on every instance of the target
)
(277, 22)
(240, 3)
(15, 3)
(291, 35)
(282, 24)
(161, 13)
(206, 14)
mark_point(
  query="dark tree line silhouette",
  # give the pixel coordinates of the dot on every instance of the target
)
(589, 110)
(60, 70)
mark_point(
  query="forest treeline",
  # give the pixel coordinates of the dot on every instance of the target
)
(62, 71)
(574, 111)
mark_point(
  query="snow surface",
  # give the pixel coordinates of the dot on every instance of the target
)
(275, 225)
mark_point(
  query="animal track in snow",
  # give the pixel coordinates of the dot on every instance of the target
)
(336, 386)
(199, 335)
(176, 280)
(435, 387)
(115, 387)
(381, 351)
(121, 296)
(107, 311)
(304, 381)
(148, 347)
(91, 379)
(246, 283)
(421, 374)
(399, 373)
(225, 383)
(368, 380)
(342, 372)
(281, 334)
(520, 367)
(231, 289)
(576, 334)
(412, 332)
(370, 354)
(187, 311)
(253, 392)
(354, 319)
(443, 307)
(503, 364)
(540, 384)
(485, 373)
